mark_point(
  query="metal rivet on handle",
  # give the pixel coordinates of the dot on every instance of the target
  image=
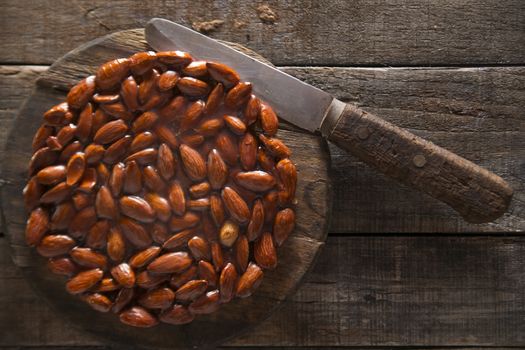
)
(362, 132)
(419, 160)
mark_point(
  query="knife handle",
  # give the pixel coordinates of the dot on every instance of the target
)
(477, 194)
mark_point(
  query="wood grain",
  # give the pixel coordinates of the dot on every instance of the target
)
(309, 32)
(364, 291)
(475, 112)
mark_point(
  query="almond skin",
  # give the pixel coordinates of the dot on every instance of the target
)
(192, 115)
(62, 216)
(249, 281)
(152, 179)
(116, 246)
(210, 127)
(82, 222)
(144, 257)
(275, 147)
(270, 201)
(166, 162)
(166, 135)
(83, 281)
(159, 298)
(42, 158)
(227, 283)
(194, 164)
(135, 233)
(80, 94)
(179, 239)
(98, 235)
(55, 245)
(84, 123)
(62, 266)
(137, 316)
(176, 315)
(159, 232)
(188, 220)
(32, 193)
(252, 110)
(242, 252)
(147, 280)
(168, 80)
(137, 208)
(173, 110)
(98, 302)
(264, 251)
(37, 226)
(141, 62)
(129, 91)
(176, 198)
(89, 179)
(124, 275)
(56, 115)
(105, 204)
(175, 58)
(248, 151)
(116, 179)
(110, 132)
(105, 99)
(206, 304)
(258, 181)
(256, 221)
(132, 178)
(223, 73)
(191, 290)
(236, 206)
(107, 284)
(192, 139)
(111, 73)
(160, 206)
(217, 210)
(227, 148)
(88, 258)
(217, 170)
(288, 177)
(41, 135)
(56, 194)
(196, 69)
(214, 99)
(117, 150)
(117, 110)
(177, 280)
(144, 122)
(170, 263)
(236, 125)
(51, 175)
(94, 153)
(66, 134)
(141, 141)
(69, 150)
(217, 256)
(283, 225)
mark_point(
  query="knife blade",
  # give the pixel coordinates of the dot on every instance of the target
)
(289, 96)
(476, 193)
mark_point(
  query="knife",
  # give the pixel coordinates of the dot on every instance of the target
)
(477, 194)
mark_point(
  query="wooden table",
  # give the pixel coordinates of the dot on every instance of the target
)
(399, 269)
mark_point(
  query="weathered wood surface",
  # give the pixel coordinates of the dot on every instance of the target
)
(363, 291)
(295, 256)
(475, 112)
(309, 32)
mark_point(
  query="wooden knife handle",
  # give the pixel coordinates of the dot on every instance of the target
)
(476, 193)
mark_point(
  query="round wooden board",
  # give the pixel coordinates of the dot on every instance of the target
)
(296, 256)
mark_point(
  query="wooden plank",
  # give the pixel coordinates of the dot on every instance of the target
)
(335, 32)
(476, 112)
(364, 291)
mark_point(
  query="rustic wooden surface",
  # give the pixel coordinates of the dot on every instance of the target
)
(376, 284)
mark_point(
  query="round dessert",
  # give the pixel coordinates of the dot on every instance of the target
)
(159, 188)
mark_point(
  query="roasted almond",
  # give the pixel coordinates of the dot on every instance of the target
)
(177, 280)
(62, 216)
(248, 151)
(199, 190)
(269, 121)
(256, 221)
(159, 298)
(135, 233)
(143, 157)
(201, 204)
(190, 219)
(83, 281)
(116, 179)
(228, 233)
(217, 209)
(75, 168)
(270, 201)
(32, 193)
(217, 170)
(166, 162)
(88, 258)
(123, 298)
(89, 180)
(227, 148)
(137, 208)
(130, 93)
(97, 235)
(236, 125)
(56, 115)
(144, 257)
(142, 62)
(175, 58)
(124, 275)
(69, 150)
(94, 153)
(81, 200)
(145, 122)
(191, 290)
(249, 281)
(159, 232)
(173, 110)
(116, 246)
(258, 181)
(236, 206)
(223, 73)
(147, 280)
(210, 127)
(81, 93)
(214, 99)
(117, 150)
(166, 135)
(192, 115)
(264, 251)
(53, 143)
(51, 175)
(105, 204)
(62, 266)
(170, 263)
(41, 135)
(111, 132)
(227, 283)
(142, 140)
(82, 222)
(176, 315)
(192, 139)
(137, 316)
(283, 225)
(55, 245)
(206, 304)
(37, 226)
(207, 272)
(111, 73)
(132, 178)
(199, 248)
(192, 87)
(196, 69)
(193, 163)
(217, 256)
(100, 118)
(84, 123)
(288, 177)
(252, 110)
(98, 302)
(242, 253)
(117, 110)
(238, 95)
(42, 158)
(176, 198)
(275, 146)
(152, 180)
(168, 80)
(179, 239)
(56, 194)
(160, 206)
(156, 99)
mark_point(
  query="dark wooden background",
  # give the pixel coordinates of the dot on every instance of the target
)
(398, 269)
